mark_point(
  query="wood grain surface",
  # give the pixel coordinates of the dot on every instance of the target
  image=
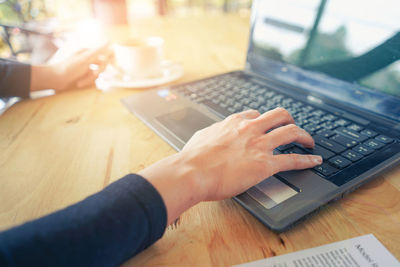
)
(58, 150)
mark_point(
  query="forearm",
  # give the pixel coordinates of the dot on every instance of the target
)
(102, 230)
(44, 77)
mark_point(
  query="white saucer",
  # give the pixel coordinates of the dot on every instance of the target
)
(112, 77)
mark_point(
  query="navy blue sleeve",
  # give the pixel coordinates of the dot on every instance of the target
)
(15, 78)
(104, 229)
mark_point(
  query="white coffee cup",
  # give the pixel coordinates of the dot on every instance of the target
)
(140, 58)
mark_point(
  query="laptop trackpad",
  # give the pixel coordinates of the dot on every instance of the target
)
(184, 122)
(271, 192)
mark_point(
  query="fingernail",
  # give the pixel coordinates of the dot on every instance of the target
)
(317, 159)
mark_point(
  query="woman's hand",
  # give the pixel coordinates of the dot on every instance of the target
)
(78, 71)
(227, 158)
(236, 153)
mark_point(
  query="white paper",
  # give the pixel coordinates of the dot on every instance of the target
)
(363, 251)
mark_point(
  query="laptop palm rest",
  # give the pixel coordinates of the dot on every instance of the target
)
(271, 192)
(183, 123)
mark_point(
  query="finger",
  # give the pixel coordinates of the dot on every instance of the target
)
(94, 54)
(273, 119)
(91, 56)
(103, 62)
(96, 65)
(288, 134)
(101, 68)
(104, 58)
(81, 51)
(286, 162)
(91, 75)
(86, 81)
(249, 114)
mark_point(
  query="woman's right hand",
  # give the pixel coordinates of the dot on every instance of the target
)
(237, 153)
(227, 158)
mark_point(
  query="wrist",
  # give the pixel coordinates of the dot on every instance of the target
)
(191, 171)
(177, 182)
(44, 77)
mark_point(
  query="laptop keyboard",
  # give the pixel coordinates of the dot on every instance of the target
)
(341, 142)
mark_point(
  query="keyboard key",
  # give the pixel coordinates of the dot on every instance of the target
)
(384, 139)
(297, 104)
(316, 120)
(301, 122)
(231, 110)
(326, 169)
(261, 91)
(283, 106)
(237, 107)
(287, 100)
(374, 144)
(222, 98)
(244, 101)
(342, 122)
(237, 90)
(343, 140)
(269, 94)
(312, 127)
(295, 150)
(270, 105)
(318, 112)
(352, 155)
(355, 127)
(238, 96)
(254, 105)
(369, 133)
(278, 97)
(301, 115)
(260, 99)
(230, 102)
(199, 99)
(340, 162)
(254, 88)
(223, 105)
(329, 144)
(215, 101)
(329, 117)
(329, 125)
(292, 111)
(216, 108)
(352, 134)
(284, 147)
(363, 149)
(263, 109)
(307, 109)
(324, 153)
(253, 96)
(229, 93)
(325, 133)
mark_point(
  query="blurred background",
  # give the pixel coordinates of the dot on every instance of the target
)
(33, 30)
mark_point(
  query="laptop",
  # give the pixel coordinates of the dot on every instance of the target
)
(334, 65)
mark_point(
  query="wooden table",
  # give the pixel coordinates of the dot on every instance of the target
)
(57, 150)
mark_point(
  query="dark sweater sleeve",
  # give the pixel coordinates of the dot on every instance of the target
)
(104, 229)
(15, 78)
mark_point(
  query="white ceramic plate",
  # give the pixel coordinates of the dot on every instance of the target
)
(113, 78)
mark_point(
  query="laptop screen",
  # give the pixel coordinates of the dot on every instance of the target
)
(348, 50)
